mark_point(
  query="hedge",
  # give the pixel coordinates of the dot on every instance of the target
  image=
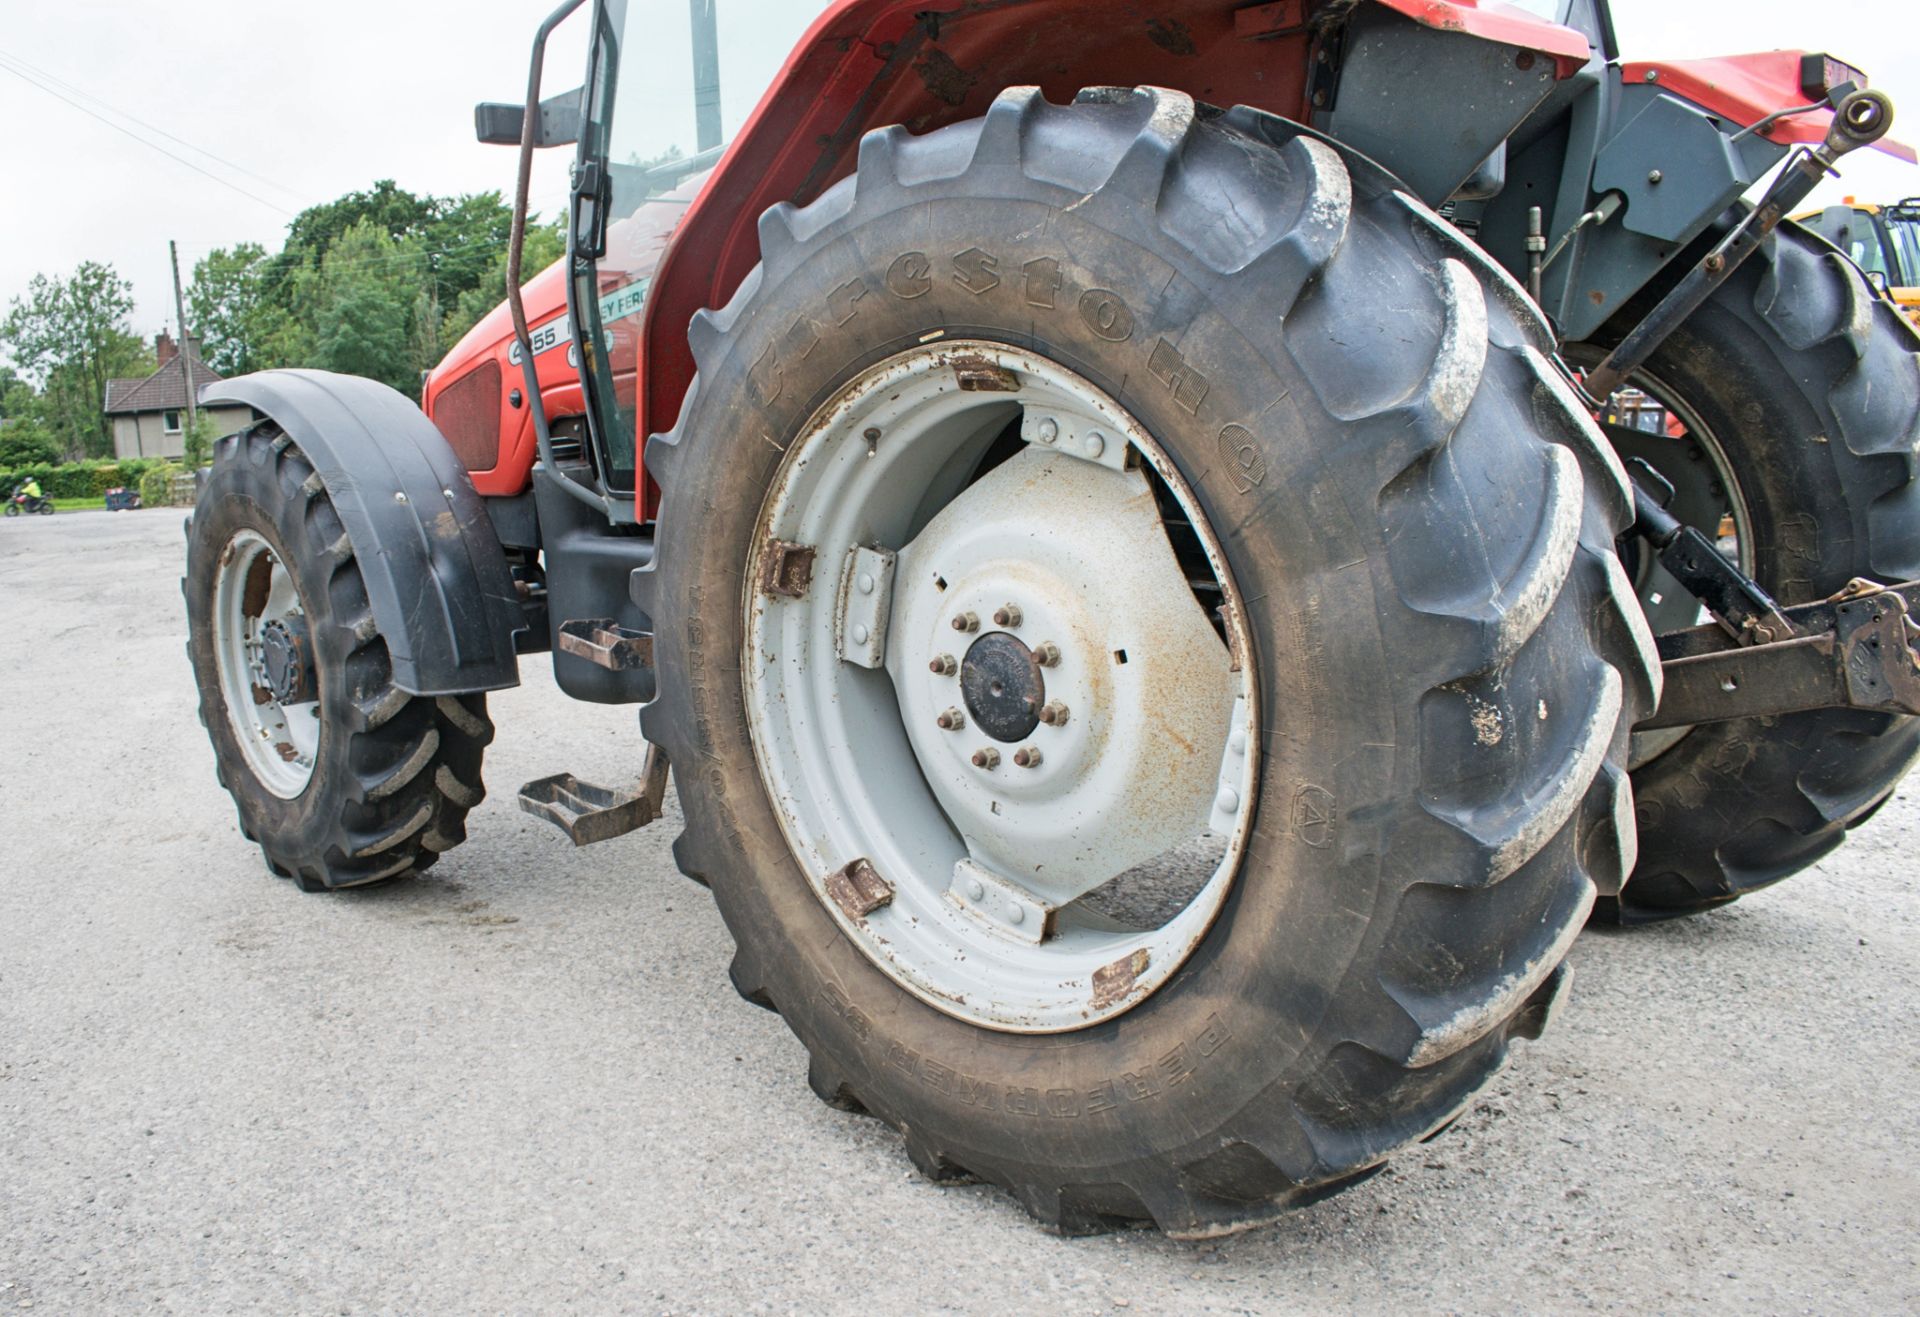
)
(81, 479)
(156, 484)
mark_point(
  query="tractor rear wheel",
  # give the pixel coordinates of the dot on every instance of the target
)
(1144, 660)
(1795, 393)
(342, 778)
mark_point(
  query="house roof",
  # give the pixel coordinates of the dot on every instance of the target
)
(164, 390)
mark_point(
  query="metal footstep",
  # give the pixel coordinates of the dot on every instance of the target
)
(603, 641)
(588, 813)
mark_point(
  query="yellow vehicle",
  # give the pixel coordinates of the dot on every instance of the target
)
(1883, 240)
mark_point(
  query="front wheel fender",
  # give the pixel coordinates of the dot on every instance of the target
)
(436, 576)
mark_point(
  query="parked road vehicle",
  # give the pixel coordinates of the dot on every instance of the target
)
(1883, 240)
(1105, 519)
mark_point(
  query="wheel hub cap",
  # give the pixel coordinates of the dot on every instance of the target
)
(1003, 687)
(283, 653)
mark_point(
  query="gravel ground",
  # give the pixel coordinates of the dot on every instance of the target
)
(523, 1084)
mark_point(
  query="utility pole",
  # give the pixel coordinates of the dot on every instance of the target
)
(706, 75)
(186, 339)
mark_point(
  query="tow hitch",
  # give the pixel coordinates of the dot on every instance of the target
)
(1757, 659)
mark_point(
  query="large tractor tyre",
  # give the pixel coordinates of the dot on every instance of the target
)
(340, 777)
(1194, 490)
(1798, 391)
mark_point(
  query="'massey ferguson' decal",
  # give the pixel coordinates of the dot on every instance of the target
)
(624, 302)
(619, 304)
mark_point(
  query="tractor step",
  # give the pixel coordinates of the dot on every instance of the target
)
(603, 641)
(588, 813)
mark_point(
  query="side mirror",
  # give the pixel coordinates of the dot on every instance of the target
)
(498, 124)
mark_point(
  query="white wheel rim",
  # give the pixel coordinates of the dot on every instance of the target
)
(252, 590)
(999, 905)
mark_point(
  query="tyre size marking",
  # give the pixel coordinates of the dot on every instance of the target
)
(1168, 1071)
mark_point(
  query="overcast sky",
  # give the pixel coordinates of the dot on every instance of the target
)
(304, 102)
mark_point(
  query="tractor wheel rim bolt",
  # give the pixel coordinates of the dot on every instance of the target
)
(1027, 756)
(1047, 654)
(944, 666)
(966, 622)
(1054, 714)
(951, 720)
(987, 757)
(1007, 616)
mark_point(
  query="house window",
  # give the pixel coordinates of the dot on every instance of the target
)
(170, 422)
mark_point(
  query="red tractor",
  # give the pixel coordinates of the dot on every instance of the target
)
(1132, 532)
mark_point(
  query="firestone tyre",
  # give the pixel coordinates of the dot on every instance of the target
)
(341, 778)
(1443, 648)
(1805, 390)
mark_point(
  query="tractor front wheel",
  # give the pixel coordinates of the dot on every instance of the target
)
(1142, 655)
(342, 778)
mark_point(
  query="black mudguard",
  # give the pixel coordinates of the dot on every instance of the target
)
(435, 572)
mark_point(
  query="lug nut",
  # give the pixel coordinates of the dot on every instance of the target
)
(986, 758)
(1053, 713)
(1008, 616)
(1046, 654)
(1027, 756)
(943, 666)
(951, 720)
(966, 622)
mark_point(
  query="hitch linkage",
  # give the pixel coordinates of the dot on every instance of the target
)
(1856, 650)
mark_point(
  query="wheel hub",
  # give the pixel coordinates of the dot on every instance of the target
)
(284, 655)
(1003, 686)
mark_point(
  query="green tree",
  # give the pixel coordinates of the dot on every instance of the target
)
(364, 302)
(463, 239)
(545, 244)
(197, 443)
(24, 441)
(224, 306)
(70, 336)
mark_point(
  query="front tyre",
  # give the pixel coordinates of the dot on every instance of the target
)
(1364, 541)
(342, 778)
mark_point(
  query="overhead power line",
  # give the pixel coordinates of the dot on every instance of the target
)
(151, 146)
(128, 115)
